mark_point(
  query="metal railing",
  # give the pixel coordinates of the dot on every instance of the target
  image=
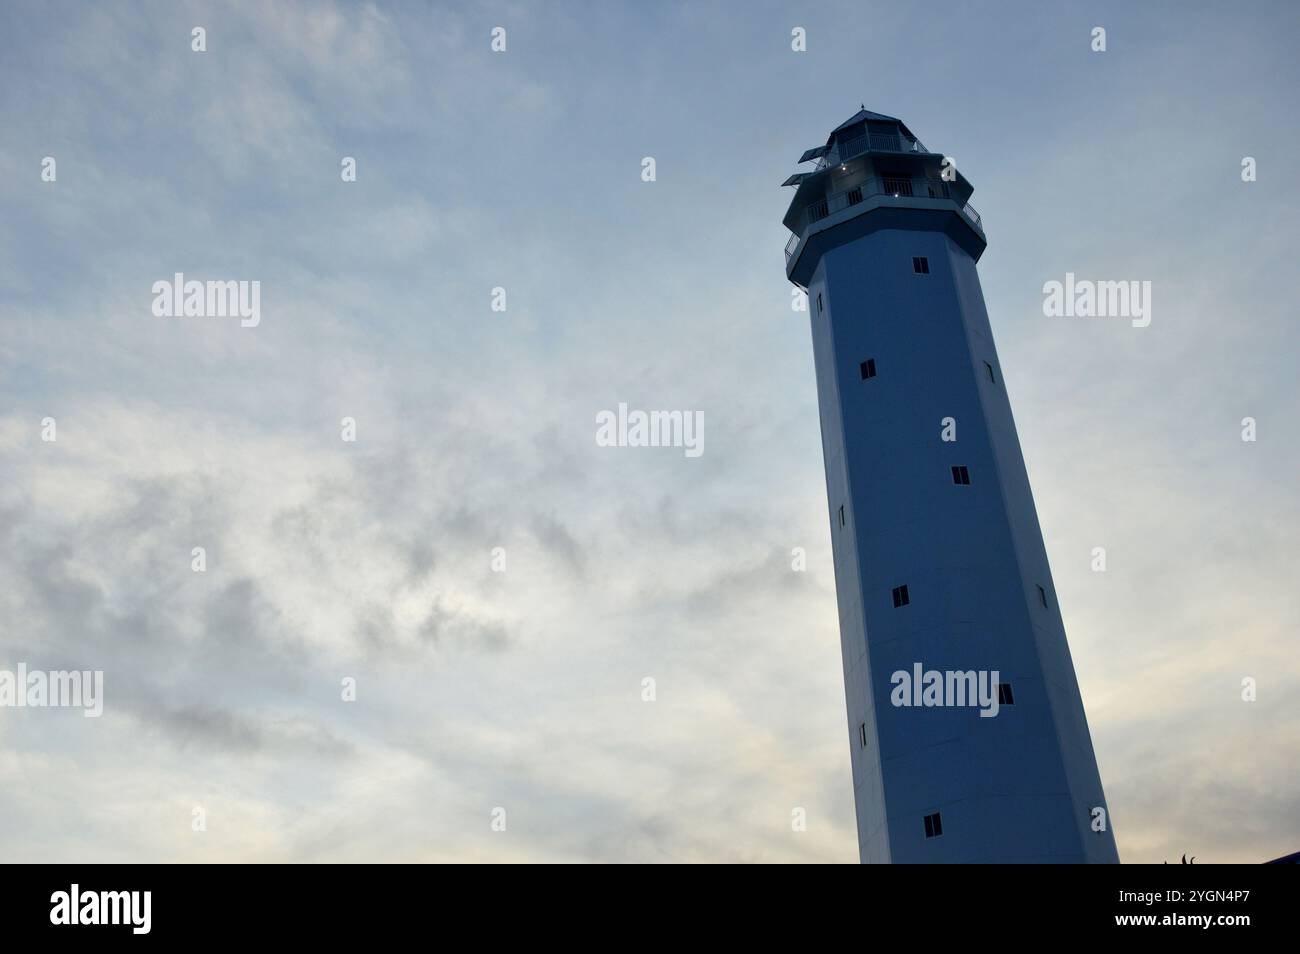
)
(883, 185)
(869, 142)
(895, 186)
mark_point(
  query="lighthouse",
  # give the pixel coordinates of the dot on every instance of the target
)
(967, 730)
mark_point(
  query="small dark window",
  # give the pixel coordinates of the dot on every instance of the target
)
(900, 596)
(841, 515)
(819, 303)
(1042, 596)
(933, 826)
(989, 368)
(1005, 695)
(961, 475)
(862, 734)
(868, 368)
(921, 265)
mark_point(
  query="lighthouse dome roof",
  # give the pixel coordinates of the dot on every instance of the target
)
(865, 115)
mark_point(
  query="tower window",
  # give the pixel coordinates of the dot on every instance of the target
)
(868, 368)
(921, 265)
(961, 475)
(1005, 695)
(819, 303)
(841, 515)
(900, 596)
(862, 734)
(933, 826)
(1042, 596)
(989, 368)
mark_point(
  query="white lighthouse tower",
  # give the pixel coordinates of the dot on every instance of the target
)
(940, 569)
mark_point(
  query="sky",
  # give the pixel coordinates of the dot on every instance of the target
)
(495, 585)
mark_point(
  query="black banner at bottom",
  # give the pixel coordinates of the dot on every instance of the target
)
(331, 903)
